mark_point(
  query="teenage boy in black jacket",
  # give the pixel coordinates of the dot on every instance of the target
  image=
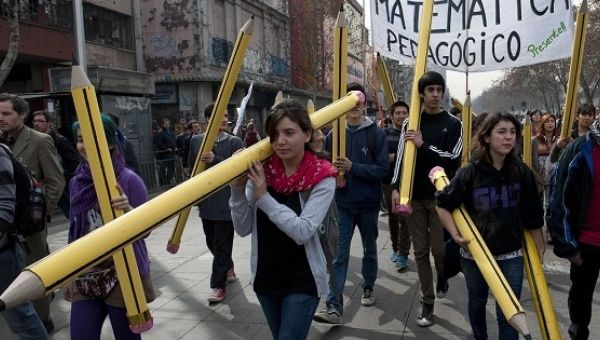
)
(439, 143)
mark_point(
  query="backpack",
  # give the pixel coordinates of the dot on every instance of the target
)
(328, 237)
(30, 203)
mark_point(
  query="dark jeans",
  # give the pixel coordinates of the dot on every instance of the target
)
(583, 284)
(87, 317)
(289, 316)
(398, 227)
(22, 319)
(219, 240)
(478, 296)
(367, 226)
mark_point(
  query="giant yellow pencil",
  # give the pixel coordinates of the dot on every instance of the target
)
(467, 123)
(210, 136)
(58, 268)
(504, 295)
(340, 75)
(575, 70)
(414, 116)
(538, 286)
(105, 184)
(310, 107)
(386, 83)
(459, 106)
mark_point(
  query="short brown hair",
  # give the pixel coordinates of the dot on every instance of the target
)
(19, 104)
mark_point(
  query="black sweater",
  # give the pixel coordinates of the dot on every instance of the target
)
(442, 146)
(499, 203)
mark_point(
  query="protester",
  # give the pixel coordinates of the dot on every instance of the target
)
(358, 201)
(251, 136)
(398, 228)
(214, 210)
(129, 153)
(574, 221)
(22, 319)
(499, 192)
(536, 121)
(438, 143)
(288, 264)
(164, 148)
(541, 146)
(90, 307)
(585, 118)
(69, 158)
(36, 151)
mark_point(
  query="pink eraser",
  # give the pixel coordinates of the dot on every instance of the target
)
(433, 171)
(143, 327)
(172, 248)
(361, 96)
(403, 209)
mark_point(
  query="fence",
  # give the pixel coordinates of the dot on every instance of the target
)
(159, 175)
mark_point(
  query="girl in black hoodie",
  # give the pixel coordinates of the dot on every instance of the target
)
(500, 193)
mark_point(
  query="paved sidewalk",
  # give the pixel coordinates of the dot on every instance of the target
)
(182, 284)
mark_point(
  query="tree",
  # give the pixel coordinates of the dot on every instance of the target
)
(12, 7)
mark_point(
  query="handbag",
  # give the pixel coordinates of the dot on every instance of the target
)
(98, 282)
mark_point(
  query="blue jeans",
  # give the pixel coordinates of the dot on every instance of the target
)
(367, 226)
(478, 296)
(22, 319)
(289, 316)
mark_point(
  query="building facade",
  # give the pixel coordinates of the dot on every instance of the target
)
(187, 45)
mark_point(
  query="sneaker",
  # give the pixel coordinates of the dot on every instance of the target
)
(328, 315)
(367, 298)
(442, 287)
(218, 295)
(402, 263)
(394, 256)
(425, 319)
(231, 275)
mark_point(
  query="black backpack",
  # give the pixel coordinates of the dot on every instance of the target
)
(328, 237)
(30, 205)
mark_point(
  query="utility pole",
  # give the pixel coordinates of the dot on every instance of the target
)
(79, 33)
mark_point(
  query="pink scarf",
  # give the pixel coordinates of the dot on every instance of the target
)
(311, 171)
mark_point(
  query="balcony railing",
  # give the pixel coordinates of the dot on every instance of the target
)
(55, 13)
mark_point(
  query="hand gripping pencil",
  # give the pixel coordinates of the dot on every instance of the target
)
(61, 266)
(210, 136)
(538, 286)
(414, 116)
(340, 75)
(577, 52)
(105, 184)
(505, 297)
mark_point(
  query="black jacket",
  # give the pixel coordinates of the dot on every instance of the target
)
(499, 203)
(571, 193)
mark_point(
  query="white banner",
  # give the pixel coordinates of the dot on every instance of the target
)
(478, 35)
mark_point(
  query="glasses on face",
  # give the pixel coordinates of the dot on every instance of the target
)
(39, 121)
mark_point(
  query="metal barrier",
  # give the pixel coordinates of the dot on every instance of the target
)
(159, 175)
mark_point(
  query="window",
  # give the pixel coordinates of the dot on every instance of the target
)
(107, 27)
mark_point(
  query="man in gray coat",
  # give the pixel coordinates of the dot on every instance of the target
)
(214, 210)
(35, 151)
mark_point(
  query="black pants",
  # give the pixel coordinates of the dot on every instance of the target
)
(583, 283)
(219, 240)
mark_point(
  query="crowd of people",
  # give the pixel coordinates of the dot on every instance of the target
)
(282, 203)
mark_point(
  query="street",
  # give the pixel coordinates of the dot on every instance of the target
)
(182, 284)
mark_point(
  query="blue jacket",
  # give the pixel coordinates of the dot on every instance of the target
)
(363, 190)
(571, 196)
